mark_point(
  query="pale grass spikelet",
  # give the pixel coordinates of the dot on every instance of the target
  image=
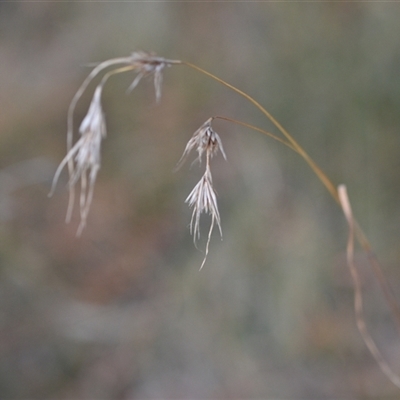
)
(204, 140)
(84, 157)
(147, 64)
(203, 198)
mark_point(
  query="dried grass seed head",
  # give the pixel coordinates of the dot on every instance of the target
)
(147, 64)
(85, 155)
(205, 141)
(203, 199)
(88, 158)
(92, 130)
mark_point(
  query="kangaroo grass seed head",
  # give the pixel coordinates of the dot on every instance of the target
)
(204, 140)
(203, 198)
(84, 157)
(147, 64)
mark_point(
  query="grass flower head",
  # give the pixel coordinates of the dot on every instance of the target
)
(203, 198)
(85, 157)
(149, 64)
(204, 140)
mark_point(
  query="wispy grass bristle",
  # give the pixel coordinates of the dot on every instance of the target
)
(147, 64)
(84, 157)
(203, 197)
(204, 140)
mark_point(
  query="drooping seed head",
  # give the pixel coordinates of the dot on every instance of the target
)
(146, 64)
(203, 199)
(205, 141)
(85, 156)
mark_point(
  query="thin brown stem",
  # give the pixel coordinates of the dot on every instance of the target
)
(296, 146)
(255, 128)
(358, 232)
(358, 300)
(317, 170)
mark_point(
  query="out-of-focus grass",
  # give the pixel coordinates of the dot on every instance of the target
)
(123, 311)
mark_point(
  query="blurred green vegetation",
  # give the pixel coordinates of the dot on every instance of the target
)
(122, 312)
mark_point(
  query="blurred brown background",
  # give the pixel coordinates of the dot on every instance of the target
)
(122, 312)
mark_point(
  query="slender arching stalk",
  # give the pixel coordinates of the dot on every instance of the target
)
(358, 298)
(255, 128)
(294, 145)
(317, 170)
(83, 162)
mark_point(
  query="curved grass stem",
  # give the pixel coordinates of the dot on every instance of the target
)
(355, 227)
(296, 146)
(255, 128)
(361, 237)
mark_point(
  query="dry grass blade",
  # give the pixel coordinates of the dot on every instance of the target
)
(358, 300)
